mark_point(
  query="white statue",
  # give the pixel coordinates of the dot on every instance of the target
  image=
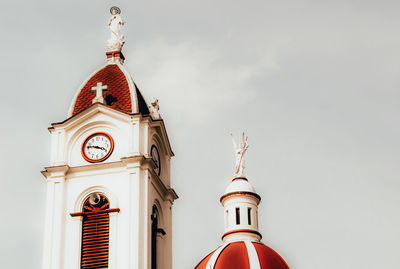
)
(154, 109)
(117, 39)
(240, 150)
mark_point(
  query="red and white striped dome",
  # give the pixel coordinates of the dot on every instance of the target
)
(243, 255)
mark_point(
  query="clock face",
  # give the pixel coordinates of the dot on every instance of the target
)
(156, 158)
(97, 147)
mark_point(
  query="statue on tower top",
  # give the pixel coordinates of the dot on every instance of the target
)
(240, 150)
(115, 22)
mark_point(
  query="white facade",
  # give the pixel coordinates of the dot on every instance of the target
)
(127, 178)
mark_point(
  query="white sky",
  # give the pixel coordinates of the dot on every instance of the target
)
(315, 84)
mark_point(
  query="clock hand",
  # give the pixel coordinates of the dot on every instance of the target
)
(96, 147)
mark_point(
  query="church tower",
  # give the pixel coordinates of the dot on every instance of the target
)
(109, 195)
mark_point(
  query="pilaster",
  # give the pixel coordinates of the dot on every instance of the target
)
(55, 216)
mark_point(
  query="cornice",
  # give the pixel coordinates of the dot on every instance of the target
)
(241, 231)
(239, 193)
(160, 123)
(135, 161)
(90, 111)
(55, 171)
(132, 162)
(166, 192)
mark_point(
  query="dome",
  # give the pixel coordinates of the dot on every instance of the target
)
(121, 92)
(243, 255)
(239, 184)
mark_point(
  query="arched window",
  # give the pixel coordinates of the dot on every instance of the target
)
(155, 230)
(95, 232)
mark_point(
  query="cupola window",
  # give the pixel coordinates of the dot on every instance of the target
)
(237, 210)
(249, 215)
(226, 218)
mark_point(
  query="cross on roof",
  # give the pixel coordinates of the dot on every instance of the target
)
(99, 92)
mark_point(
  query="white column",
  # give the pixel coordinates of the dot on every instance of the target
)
(55, 216)
(58, 224)
(48, 231)
(134, 220)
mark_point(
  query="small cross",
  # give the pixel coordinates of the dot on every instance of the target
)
(99, 92)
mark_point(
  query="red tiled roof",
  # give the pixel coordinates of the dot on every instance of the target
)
(118, 90)
(236, 256)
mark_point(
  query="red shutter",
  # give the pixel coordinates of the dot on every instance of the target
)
(95, 235)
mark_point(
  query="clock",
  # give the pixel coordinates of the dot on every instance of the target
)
(156, 158)
(97, 147)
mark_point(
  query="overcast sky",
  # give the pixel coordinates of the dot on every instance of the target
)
(315, 84)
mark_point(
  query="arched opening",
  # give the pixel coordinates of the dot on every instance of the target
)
(154, 227)
(226, 218)
(237, 211)
(249, 215)
(95, 232)
(155, 231)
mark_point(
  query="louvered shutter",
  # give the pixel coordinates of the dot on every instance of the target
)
(95, 235)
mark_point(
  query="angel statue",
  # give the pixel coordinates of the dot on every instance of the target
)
(117, 39)
(239, 154)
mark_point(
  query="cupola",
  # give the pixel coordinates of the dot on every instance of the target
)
(240, 202)
(242, 247)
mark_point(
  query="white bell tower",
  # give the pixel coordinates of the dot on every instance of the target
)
(109, 195)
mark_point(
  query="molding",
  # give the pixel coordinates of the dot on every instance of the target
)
(166, 192)
(88, 112)
(172, 195)
(241, 231)
(81, 197)
(239, 178)
(55, 171)
(95, 168)
(147, 163)
(135, 161)
(160, 128)
(237, 193)
(80, 214)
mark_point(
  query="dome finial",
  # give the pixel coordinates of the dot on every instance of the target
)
(115, 23)
(240, 150)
